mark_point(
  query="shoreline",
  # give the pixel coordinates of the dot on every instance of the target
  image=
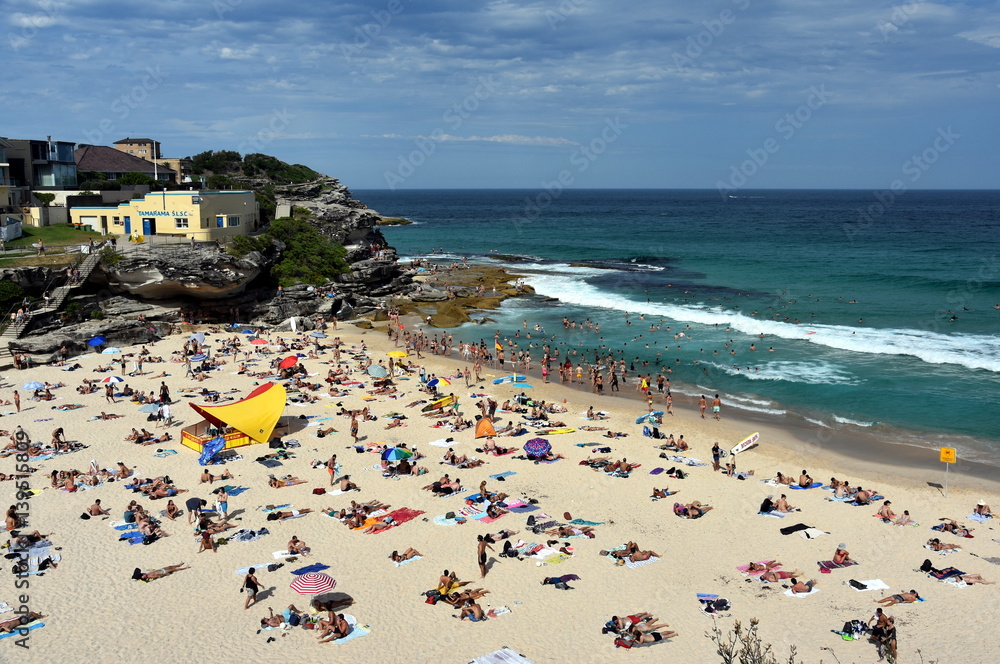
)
(882, 446)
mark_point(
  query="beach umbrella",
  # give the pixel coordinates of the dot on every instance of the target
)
(113, 379)
(149, 408)
(247, 332)
(317, 335)
(484, 428)
(313, 583)
(199, 357)
(197, 336)
(397, 353)
(435, 382)
(96, 341)
(524, 385)
(537, 447)
(259, 342)
(111, 350)
(33, 385)
(396, 454)
(376, 371)
(288, 362)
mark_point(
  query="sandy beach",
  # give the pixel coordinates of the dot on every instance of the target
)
(91, 600)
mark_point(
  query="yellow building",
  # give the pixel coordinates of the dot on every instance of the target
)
(203, 215)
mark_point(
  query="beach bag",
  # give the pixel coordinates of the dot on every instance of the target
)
(319, 491)
(294, 620)
(926, 566)
(85, 516)
(531, 521)
(857, 585)
(622, 642)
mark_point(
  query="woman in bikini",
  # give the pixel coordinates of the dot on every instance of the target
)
(139, 575)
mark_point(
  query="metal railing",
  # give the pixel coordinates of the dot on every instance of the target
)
(50, 286)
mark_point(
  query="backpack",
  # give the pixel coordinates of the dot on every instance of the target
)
(294, 620)
(857, 585)
(531, 521)
(622, 642)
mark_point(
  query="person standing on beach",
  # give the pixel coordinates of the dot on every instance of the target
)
(354, 428)
(17, 401)
(331, 468)
(222, 503)
(716, 455)
(251, 587)
(703, 404)
(717, 408)
(481, 553)
(109, 393)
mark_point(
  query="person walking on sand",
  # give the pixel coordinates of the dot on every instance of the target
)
(109, 393)
(716, 455)
(251, 587)
(717, 408)
(703, 404)
(17, 401)
(354, 428)
(331, 468)
(481, 553)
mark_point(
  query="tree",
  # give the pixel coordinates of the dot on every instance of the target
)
(135, 178)
(43, 198)
(309, 256)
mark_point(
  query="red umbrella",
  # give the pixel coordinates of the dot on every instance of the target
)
(288, 362)
(259, 342)
(313, 583)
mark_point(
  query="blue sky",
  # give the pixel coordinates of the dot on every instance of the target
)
(459, 93)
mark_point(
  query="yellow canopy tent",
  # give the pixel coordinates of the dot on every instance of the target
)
(253, 418)
(484, 428)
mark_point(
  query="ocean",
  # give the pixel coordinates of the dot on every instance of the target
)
(868, 310)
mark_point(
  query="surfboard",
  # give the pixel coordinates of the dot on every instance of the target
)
(551, 432)
(655, 413)
(747, 443)
(440, 403)
(509, 379)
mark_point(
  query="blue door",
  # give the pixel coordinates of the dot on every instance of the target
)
(128, 225)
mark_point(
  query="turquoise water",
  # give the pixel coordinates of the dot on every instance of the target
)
(880, 314)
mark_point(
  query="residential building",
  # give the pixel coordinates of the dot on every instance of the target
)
(114, 163)
(41, 165)
(204, 216)
(143, 148)
(180, 166)
(10, 210)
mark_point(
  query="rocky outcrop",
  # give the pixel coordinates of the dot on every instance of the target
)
(334, 210)
(28, 277)
(117, 331)
(178, 271)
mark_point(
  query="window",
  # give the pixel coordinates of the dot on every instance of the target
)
(220, 222)
(180, 222)
(142, 152)
(117, 221)
(234, 220)
(205, 223)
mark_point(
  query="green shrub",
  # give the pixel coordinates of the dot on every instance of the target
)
(309, 257)
(9, 292)
(97, 314)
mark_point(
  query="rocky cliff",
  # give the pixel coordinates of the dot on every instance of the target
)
(334, 211)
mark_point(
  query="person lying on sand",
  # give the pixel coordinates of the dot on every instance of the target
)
(571, 531)
(775, 575)
(462, 461)
(800, 588)
(763, 567)
(616, 434)
(9, 625)
(662, 493)
(951, 526)
(592, 428)
(209, 477)
(693, 510)
(288, 480)
(139, 575)
(642, 637)
(289, 514)
(938, 545)
(901, 598)
(398, 557)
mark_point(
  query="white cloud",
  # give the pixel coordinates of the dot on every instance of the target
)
(512, 139)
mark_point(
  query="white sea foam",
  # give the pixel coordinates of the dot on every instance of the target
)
(757, 409)
(809, 373)
(819, 423)
(847, 420)
(973, 351)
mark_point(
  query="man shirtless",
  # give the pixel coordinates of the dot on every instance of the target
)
(210, 478)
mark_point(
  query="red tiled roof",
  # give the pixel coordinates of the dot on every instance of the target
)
(103, 159)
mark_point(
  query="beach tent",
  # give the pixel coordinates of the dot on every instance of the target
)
(484, 428)
(253, 419)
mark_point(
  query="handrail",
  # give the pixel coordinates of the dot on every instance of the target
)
(49, 287)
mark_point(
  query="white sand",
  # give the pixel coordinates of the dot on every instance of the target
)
(197, 615)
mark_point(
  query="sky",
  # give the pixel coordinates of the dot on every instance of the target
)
(408, 94)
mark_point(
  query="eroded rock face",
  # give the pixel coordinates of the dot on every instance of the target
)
(172, 272)
(117, 331)
(28, 277)
(338, 215)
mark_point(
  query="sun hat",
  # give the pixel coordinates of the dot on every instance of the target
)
(981, 503)
(841, 546)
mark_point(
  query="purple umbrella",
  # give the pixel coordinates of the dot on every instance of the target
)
(537, 447)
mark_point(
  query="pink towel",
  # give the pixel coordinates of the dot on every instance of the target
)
(746, 568)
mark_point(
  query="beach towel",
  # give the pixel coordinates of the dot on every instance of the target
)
(814, 485)
(165, 453)
(355, 633)
(404, 514)
(812, 533)
(508, 473)
(503, 656)
(28, 627)
(656, 471)
(978, 517)
(557, 559)
(829, 564)
(524, 507)
(258, 568)
(811, 592)
(872, 584)
(281, 555)
(745, 569)
(632, 565)
(943, 552)
(408, 560)
(955, 581)
(940, 528)
(584, 522)
(788, 530)
(269, 463)
(774, 514)
(274, 508)
(236, 490)
(314, 567)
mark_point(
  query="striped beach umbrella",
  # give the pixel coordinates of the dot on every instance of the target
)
(313, 583)
(113, 379)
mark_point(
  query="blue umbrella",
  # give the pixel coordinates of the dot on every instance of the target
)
(199, 357)
(375, 371)
(537, 447)
(33, 385)
(248, 332)
(317, 335)
(149, 408)
(197, 336)
(210, 449)
(96, 341)
(524, 385)
(110, 350)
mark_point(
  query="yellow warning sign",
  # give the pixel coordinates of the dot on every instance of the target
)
(948, 455)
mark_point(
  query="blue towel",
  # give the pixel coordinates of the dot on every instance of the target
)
(34, 625)
(707, 596)
(236, 490)
(315, 567)
(583, 522)
(269, 463)
(504, 474)
(814, 485)
(126, 526)
(355, 633)
(475, 497)
(526, 508)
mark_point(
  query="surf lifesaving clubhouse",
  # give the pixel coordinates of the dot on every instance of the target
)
(204, 216)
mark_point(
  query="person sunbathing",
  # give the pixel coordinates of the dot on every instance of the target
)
(347, 485)
(409, 554)
(885, 512)
(983, 510)
(548, 456)
(286, 481)
(694, 510)
(763, 567)
(642, 638)
(298, 547)
(901, 598)
(336, 628)
(784, 479)
(904, 520)
(123, 471)
(571, 531)
(622, 467)
(662, 493)
(16, 623)
(385, 524)
(110, 416)
(775, 575)
(615, 434)
(781, 505)
(862, 497)
(592, 428)
(139, 575)
(975, 578)
(639, 556)
(938, 545)
(597, 463)
(805, 481)
(462, 461)
(800, 588)
(951, 526)
(210, 478)
(841, 556)
(281, 515)
(146, 526)
(492, 448)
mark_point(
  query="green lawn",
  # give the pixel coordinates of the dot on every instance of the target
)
(52, 236)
